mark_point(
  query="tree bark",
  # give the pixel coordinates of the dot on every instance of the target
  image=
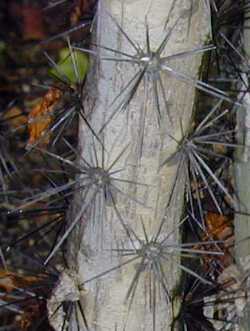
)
(146, 145)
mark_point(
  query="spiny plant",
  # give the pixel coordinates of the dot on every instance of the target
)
(94, 178)
(62, 105)
(188, 306)
(151, 65)
(42, 233)
(195, 150)
(99, 184)
(150, 255)
(59, 109)
(227, 25)
(97, 179)
(63, 306)
(207, 307)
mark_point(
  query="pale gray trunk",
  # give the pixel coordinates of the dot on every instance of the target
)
(104, 299)
(242, 179)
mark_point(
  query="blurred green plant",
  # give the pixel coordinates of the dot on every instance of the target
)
(73, 65)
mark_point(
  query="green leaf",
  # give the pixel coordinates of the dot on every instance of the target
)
(65, 67)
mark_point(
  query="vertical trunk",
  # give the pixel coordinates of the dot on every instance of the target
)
(242, 170)
(145, 144)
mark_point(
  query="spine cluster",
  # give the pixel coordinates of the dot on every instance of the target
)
(83, 235)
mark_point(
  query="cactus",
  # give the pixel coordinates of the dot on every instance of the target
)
(141, 86)
(147, 166)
